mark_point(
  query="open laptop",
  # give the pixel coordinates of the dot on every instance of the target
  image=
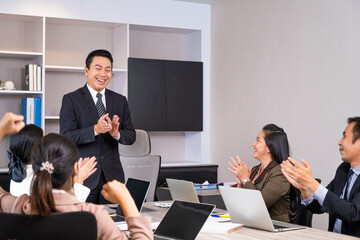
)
(183, 220)
(247, 206)
(138, 190)
(182, 190)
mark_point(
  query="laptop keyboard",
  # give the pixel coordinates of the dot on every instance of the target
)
(118, 218)
(279, 226)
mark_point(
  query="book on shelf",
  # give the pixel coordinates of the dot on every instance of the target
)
(29, 77)
(31, 110)
(221, 227)
(33, 77)
(38, 78)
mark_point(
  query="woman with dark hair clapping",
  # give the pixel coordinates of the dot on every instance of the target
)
(20, 167)
(54, 159)
(270, 148)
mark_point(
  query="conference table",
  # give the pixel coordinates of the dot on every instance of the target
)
(245, 233)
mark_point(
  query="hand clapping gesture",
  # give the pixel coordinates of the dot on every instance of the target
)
(239, 169)
(103, 125)
(114, 132)
(299, 176)
(83, 169)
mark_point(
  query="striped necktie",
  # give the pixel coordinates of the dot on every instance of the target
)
(99, 105)
(348, 183)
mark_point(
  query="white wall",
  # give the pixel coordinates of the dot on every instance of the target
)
(289, 62)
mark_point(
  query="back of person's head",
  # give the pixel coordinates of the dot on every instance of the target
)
(53, 159)
(356, 128)
(98, 53)
(277, 142)
(20, 147)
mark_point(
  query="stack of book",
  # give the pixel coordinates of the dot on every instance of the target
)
(33, 77)
(31, 110)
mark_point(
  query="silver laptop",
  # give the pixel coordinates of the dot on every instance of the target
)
(182, 190)
(247, 206)
(183, 220)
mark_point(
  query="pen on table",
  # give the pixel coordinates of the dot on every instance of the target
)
(219, 216)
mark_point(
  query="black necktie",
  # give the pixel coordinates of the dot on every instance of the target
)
(99, 105)
(348, 183)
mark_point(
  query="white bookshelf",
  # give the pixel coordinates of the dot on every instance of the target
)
(61, 46)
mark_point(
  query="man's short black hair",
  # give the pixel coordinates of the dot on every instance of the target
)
(98, 53)
(356, 128)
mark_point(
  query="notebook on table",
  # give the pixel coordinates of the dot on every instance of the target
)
(247, 206)
(183, 220)
(138, 190)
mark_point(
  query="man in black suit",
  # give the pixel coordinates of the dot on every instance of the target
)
(341, 198)
(97, 120)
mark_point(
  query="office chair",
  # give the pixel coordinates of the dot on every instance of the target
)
(299, 214)
(139, 164)
(57, 226)
(5, 181)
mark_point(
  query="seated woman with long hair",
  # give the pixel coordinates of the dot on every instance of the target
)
(270, 148)
(54, 160)
(20, 168)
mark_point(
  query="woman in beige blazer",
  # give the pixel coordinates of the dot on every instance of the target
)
(54, 160)
(270, 148)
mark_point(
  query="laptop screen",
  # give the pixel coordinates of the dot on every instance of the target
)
(184, 220)
(138, 190)
(182, 190)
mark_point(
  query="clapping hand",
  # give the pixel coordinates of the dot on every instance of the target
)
(114, 132)
(103, 125)
(239, 169)
(299, 176)
(83, 169)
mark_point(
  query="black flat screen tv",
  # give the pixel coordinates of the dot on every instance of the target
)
(165, 95)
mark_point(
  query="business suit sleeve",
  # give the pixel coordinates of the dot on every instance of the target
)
(315, 206)
(69, 123)
(126, 128)
(348, 211)
(274, 189)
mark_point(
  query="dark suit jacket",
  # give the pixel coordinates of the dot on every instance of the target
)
(346, 210)
(275, 189)
(78, 115)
